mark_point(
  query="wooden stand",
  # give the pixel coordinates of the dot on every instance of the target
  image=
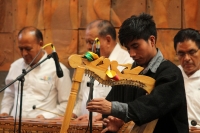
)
(77, 78)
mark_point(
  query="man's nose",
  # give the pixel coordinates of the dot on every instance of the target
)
(24, 52)
(187, 57)
(132, 53)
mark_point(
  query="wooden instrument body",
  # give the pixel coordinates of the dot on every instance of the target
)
(97, 69)
(46, 126)
(81, 127)
(194, 129)
(30, 126)
(131, 127)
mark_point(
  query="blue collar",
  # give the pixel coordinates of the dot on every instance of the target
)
(153, 64)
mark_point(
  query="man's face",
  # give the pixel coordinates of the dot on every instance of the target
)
(189, 56)
(141, 51)
(90, 36)
(29, 47)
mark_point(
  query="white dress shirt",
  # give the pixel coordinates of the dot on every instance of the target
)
(192, 89)
(100, 91)
(42, 88)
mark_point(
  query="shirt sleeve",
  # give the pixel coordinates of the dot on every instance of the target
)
(9, 95)
(120, 110)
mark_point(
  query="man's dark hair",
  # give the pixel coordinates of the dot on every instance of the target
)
(187, 34)
(137, 27)
(104, 27)
(38, 33)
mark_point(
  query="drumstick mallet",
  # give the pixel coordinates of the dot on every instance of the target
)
(34, 107)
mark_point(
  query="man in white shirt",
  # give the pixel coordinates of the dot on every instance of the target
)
(187, 44)
(42, 87)
(109, 48)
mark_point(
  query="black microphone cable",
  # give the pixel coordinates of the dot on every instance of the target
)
(34, 59)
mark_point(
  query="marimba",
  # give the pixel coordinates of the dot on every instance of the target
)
(81, 127)
(47, 126)
(194, 130)
(54, 126)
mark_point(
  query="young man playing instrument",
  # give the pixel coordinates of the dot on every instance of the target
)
(166, 102)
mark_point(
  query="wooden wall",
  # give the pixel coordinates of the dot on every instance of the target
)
(63, 22)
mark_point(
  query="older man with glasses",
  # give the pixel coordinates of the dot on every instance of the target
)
(187, 44)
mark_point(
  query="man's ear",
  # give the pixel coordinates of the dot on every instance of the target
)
(152, 40)
(108, 38)
(41, 43)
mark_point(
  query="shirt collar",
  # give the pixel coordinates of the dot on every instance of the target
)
(194, 75)
(43, 57)
(154, 63)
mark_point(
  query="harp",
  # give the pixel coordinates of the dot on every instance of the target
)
(97, 69)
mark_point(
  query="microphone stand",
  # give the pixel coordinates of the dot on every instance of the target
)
(22, 79)
(90, 84)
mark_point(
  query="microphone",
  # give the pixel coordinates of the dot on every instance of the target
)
(59, 71)
(34, 107)
(194, 123)
(97, 46)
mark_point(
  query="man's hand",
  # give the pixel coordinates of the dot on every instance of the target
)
(74, 116)
(4, 115)
(85, 117)
(112, 124)
(99, 105)
(98, 117)
(82, 118)
(40, 117)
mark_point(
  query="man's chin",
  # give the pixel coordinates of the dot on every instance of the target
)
(27, 62)
(140, 63)
(189, 71)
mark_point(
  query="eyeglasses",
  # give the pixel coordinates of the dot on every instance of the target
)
(191, 53)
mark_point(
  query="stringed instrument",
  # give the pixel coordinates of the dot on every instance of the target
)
(97, 69)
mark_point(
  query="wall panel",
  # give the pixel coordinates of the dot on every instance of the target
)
(166, 13)
(6, 52)
(166, 45)
(63, 22)
(191, 14)
(123, 9)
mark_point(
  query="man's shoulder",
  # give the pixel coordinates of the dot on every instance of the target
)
(168, 66)
(166, 62)
(18, 62)
(51, 65)
(62, 65)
